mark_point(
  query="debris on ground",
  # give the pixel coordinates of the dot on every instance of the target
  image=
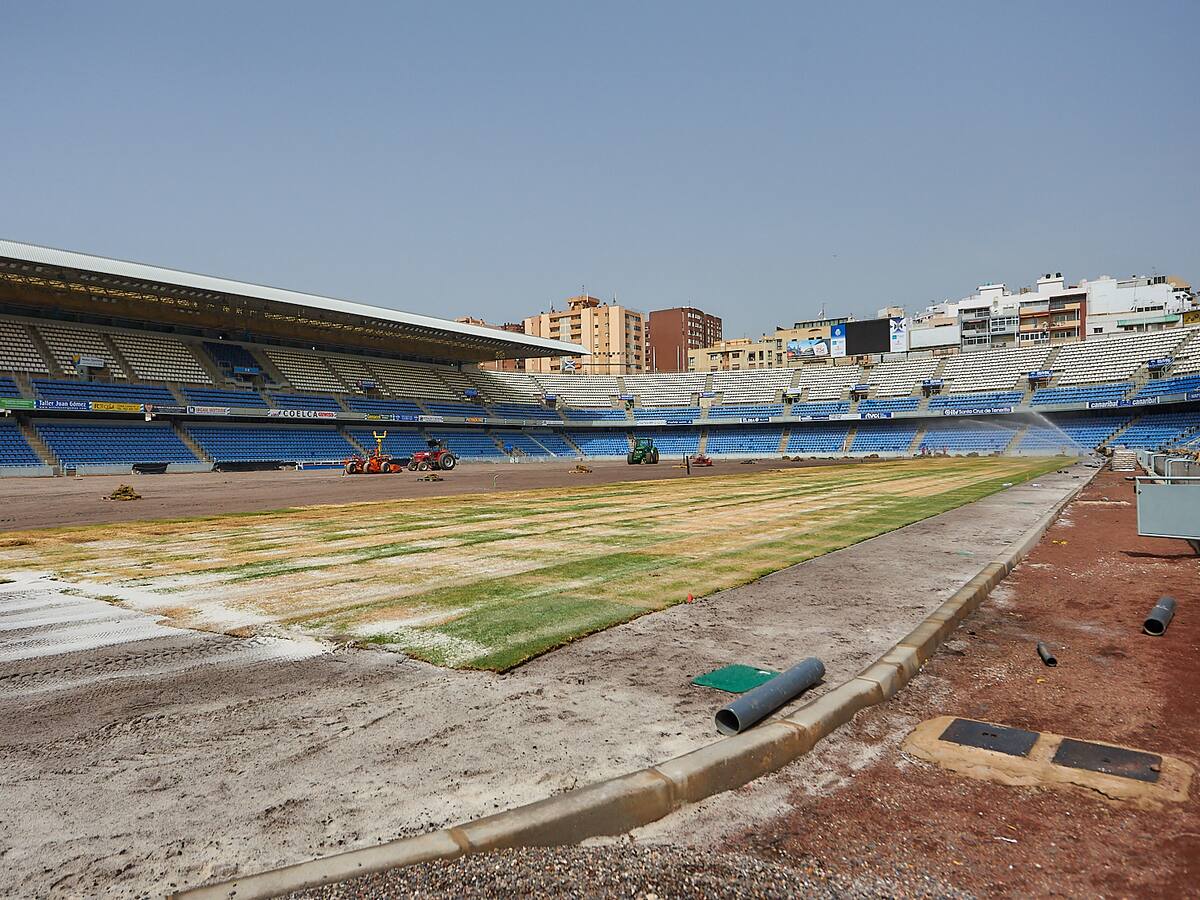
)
(432, 476)
(619, 871)
(124, 492)
(580, 469)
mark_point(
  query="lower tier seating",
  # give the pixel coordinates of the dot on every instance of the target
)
(969, 436)
(600, 443)
(820, 437)
(14, 449)
(87, 443)
(744, 440)
(270, 443)
(884, 436)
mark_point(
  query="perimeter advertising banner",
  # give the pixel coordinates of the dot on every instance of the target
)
(300, 414)
(837, 340)
(899, 334)
(106, 406)
(16, 403)
(810, 348)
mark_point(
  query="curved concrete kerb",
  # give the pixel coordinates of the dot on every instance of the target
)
(630, 801)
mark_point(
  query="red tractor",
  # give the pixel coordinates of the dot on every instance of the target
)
(701, 459)
(375, 464)
(438, 456)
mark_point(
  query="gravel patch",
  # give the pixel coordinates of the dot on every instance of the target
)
(618, 871)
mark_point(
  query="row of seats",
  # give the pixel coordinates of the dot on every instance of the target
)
(86, 443)
(14, 449)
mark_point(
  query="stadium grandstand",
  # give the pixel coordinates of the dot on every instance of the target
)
(108, 365)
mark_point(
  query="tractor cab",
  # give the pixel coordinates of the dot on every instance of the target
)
(643, 452)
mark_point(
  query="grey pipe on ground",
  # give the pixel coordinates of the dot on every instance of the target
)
(1047, 655)
(1160, 617)
(754, 706)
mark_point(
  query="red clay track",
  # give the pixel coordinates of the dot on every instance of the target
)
(1085, 590)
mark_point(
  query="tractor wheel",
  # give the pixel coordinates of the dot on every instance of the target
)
(629, 458)
(412, 466)
(653, 458)
(448, 462)
(392, 468)
(422, 466)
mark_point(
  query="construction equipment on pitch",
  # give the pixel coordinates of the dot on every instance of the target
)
(701, 459)
(643, 451)
(377, 463)
(438, 456)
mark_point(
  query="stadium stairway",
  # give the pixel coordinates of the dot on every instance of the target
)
(40, 447)
(208, 365)
(1018, 436)
(702, 445)
(850, 433)
(118, 357)
(915, 444)
(783, 439)
(570, 443)
(1111, 440)
(181, 433)
(47, 357)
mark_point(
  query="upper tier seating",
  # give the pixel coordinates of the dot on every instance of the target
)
(1160, 387)
(992, 370)
(231, 356)
(462, 410)
(103, 391)
(752, 385)
(304, 371)
(14, 449)
(213, 397)
(158, 358)
(1114, 357)
(1071, 433)
(827, 382)
(900, 377)
(523, 411)
(821, 437)
(1187, 357)
(672, 415)
(734, 439)
(580, 390)
(607, 414)
(1154, 431)
(305, 401)
(66, 343)
(410, 380)
(600, 443)
(271, 443)
(508, 387)
(354, 373)
(18, 353)
(975, 401)
(897, 404)
(739, 411)
(86, 443)
(1087, 394)
(665, 390)
(968, 436)
(884, 436)
(820, 409)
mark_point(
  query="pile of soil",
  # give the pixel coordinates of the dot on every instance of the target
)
(124, 492)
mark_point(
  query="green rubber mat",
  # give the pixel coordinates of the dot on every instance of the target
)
(735, 679)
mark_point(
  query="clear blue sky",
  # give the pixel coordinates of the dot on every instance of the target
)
(756, 160)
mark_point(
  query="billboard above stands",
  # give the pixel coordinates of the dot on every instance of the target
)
(247, 370)
(869, 336)
(1163, 362)
(979, 411)
(932, 383)
(300, 414)
(208, 410)
(810, 348)
(106, 406)
(16, 403)
(1041, 375)
(898, 334)
(74, 405)
(837, 340)
(860, 389)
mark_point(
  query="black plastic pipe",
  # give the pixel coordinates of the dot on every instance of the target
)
(754, 706)
(1160, 617)
(1047, 657)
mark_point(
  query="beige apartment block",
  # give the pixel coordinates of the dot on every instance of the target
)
(614, 336)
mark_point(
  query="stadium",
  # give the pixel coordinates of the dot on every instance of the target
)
(271, 673)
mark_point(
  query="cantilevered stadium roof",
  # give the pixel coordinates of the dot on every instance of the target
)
(95, 286)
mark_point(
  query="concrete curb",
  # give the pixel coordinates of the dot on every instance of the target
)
(625, 802)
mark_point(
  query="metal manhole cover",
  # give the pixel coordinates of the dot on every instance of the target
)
(1109, 760)
(1001, 738)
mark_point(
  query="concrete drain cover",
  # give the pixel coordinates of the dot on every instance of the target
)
(1109, 760)
(985, 736)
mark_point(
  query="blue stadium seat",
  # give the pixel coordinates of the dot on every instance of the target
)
(968, 436)
(1082, 394)
(382, 407)
(1071, 433)
(818, 437)
(1154, 431)
(213, 397)
(14, 449)
(523, 411)
(231, 356)
(884, 436)
(470, 444)
(745, 410)
(462, 410)
(8, 388)
(901, 404)
(600, 443)
(832, 408)
(672, 441)
(102, 391)
(605, 413)
(1183, 384)
(270, 443)
(399, 441)
(110, 443)
(732, 439)
(672, 415)
(305, 401)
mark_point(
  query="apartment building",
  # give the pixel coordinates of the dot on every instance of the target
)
(614, 336)
(673, 332)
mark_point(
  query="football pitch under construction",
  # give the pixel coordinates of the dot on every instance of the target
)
(490, 581)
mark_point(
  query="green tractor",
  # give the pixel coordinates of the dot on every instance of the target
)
(643, 451)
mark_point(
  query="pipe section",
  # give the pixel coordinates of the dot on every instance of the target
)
(754, 706)
(1160, 617)
(1047, 656)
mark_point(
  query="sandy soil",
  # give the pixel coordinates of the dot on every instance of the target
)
(45, 502)
(865, 808)
(138, 766)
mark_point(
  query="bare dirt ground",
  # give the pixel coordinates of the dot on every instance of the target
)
(864, 808)
(46, 502)
(131, 768)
